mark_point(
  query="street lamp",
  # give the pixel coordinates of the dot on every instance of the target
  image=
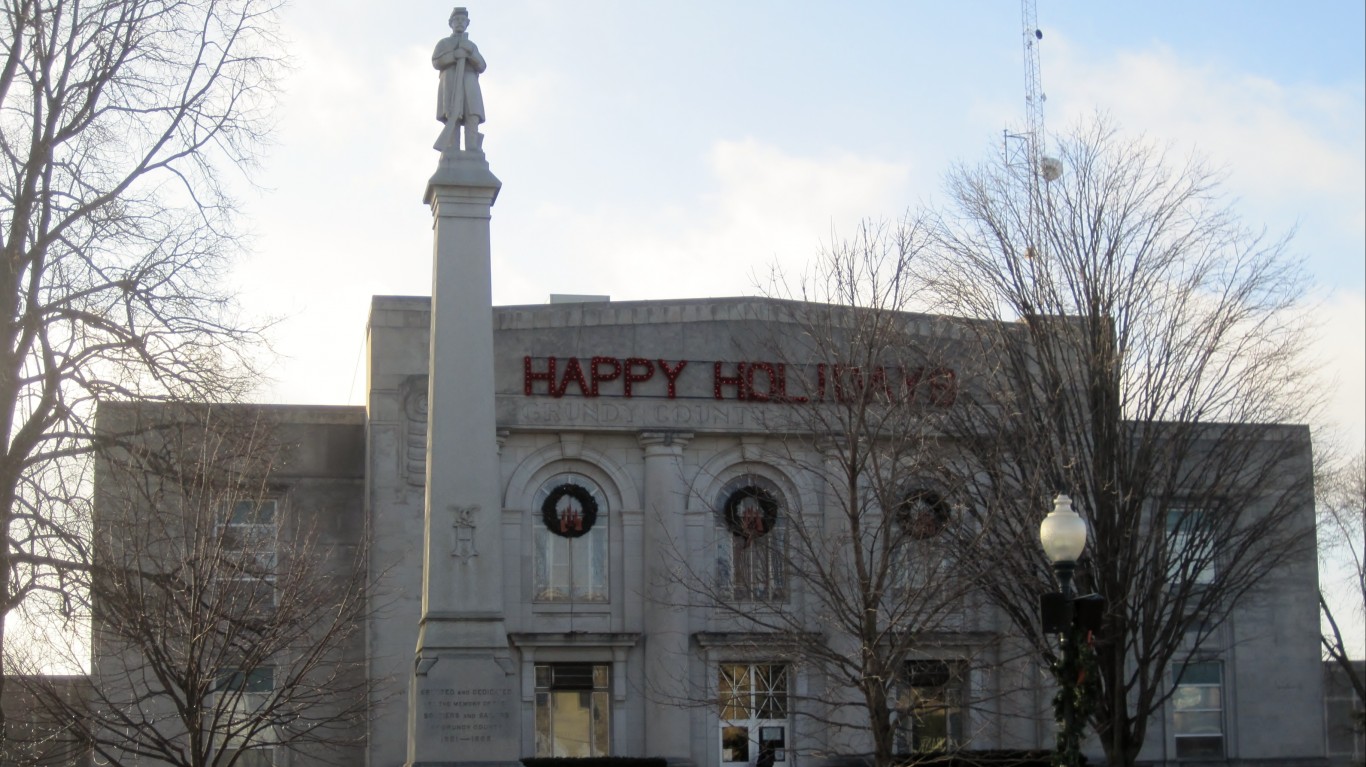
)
(1063, 535)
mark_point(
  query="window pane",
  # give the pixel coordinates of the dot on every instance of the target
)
(771, 691)
(735, 743)
(734, 691)
(1199, 747)
(602, 713)
(571, 726)
(1207, 672)
(1188, 698)
(1197, 722)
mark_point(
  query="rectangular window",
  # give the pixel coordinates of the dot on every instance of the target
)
(752, 701)
(247, 690)
(573, 710)
(1190, 546)
(1198, 711)
(241, 697)
(932, 706)
(248, 540)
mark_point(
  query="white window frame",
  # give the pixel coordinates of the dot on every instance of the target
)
(755, 711)
(1191, 700)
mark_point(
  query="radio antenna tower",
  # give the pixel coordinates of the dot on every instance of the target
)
(1035, 164)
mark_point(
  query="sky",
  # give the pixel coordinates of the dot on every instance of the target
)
(672, 150)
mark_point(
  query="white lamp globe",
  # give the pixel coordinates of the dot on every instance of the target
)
(1062, 532)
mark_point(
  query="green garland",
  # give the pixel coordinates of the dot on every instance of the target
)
(1078, 688)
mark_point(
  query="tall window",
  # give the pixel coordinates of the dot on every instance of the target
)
(240, 696)
(571, 541)
(922, 560)
(1198, 711)
(932, 706)
(751, 558)
(753, 701)
(1190, 546)
(573, 710)
(248, 540)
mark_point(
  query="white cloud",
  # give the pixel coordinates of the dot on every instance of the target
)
(1341, 346)
(765, 206)
(1288, 147)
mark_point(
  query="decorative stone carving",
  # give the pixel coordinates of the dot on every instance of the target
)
(415, 430)
(460, 103)
(464, 532)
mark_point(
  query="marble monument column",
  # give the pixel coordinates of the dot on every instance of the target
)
(462, 706)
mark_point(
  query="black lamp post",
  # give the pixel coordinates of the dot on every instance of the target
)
(1063, 535)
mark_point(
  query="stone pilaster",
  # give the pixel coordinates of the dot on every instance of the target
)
(667, 659)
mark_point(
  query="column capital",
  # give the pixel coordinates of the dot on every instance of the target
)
(664, 442)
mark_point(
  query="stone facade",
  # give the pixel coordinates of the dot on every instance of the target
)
(645, 414)
(645, 401)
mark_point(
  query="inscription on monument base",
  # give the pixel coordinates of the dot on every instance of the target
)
(466, 711)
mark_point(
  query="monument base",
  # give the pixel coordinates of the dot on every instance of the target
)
(463, 169)
(464, 709)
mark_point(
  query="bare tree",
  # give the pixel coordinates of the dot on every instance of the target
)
(227, 612)
(1342, 546)
(842, 572)
(118, 119)
(1144, 355)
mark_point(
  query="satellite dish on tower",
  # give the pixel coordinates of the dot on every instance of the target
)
(1050, 168)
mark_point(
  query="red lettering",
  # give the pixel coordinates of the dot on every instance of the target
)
(672, 375)
(646, 373)
(529, 377)
(573, 373)
(769, 391)
(782, 395)
(595, 372)
(912, 383)
(737, 380)
(752, 381)
(879, 387)
(846, 392)
(943, 387)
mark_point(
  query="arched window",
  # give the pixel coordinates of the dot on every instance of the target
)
(750, 510)
(570, 519)
(925, 552)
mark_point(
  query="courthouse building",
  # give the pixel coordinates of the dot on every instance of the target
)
(627, 433)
